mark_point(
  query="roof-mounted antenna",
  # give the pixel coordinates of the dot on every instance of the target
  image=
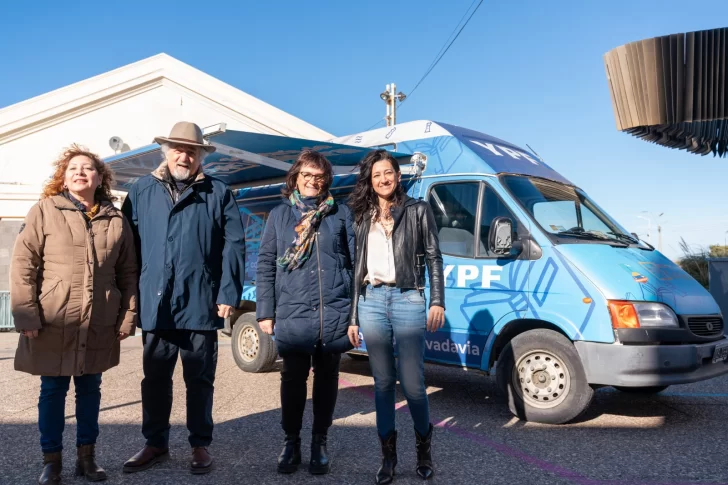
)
(535, 152)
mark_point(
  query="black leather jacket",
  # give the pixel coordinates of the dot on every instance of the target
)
(415, 245)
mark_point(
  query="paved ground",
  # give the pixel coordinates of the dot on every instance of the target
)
(677, 438)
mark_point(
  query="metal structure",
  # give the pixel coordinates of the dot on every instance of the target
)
(718, 277)
(390, 99)
(6, 317)
(671, 90)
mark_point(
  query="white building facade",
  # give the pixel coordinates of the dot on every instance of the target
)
(133, 103)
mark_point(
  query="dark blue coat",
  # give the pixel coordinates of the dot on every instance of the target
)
(311, 303)
(192, 252)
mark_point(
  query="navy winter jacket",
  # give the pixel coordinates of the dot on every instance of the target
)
(192, 252)
(311, 303)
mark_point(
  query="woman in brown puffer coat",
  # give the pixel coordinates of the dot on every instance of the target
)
(73, 281)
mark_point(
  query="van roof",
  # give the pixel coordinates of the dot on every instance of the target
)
(453, 149)
(245, 159)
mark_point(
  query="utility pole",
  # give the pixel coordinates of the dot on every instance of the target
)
(390, 99)
(649, 227)
(648, 218)
(659, 236)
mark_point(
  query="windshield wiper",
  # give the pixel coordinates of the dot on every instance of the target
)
(582, 233)
(634, 240)
(624, 237)
(593, 237)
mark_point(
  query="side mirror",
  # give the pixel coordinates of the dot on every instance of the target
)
(500, 239)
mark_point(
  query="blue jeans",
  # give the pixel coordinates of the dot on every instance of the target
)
(52, 409)
(392, 321)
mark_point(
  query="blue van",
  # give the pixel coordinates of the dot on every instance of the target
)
(543, 288)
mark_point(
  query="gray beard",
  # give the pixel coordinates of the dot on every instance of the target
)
(180, 173)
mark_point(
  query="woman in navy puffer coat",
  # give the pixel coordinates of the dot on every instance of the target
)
(303, 293)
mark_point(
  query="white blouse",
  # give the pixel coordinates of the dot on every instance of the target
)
(380, 257)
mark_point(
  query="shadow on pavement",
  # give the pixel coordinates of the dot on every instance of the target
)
(622, 439)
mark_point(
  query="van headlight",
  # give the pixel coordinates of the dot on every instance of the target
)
(628, 314)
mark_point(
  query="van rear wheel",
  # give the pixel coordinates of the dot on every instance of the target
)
(541, 374)
(253, 349)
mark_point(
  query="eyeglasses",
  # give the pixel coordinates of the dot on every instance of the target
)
(307, 176)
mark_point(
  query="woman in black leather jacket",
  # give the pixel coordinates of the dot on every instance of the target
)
(396, 238)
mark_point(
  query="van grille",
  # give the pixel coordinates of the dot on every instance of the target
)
(706, 326)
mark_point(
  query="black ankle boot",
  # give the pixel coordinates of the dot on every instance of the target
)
(51, 469)
(424, 455)
(385, 474)
(319, 464)
(290, 457)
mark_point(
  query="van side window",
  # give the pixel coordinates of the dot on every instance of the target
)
(254, 215)
(493, 207)
(455, 206)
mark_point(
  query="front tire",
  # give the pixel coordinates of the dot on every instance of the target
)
(541, 374)
(253, 350)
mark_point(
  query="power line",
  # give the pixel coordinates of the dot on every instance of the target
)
(443, 50)
(375, 124)
(442, 53)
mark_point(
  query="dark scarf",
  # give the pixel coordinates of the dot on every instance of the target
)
(312, 214)
(176, 187)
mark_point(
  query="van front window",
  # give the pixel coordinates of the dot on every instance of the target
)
(565, 211)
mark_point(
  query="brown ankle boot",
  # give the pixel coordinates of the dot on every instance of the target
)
(86, 464)
(52, 466)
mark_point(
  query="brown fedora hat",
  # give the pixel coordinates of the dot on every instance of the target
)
(186, 133)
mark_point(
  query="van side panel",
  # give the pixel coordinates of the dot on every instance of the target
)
(255, 204)
(562, 296)
(254, 214)
(480, 288)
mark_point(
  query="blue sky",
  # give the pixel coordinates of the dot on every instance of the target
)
(529, 72)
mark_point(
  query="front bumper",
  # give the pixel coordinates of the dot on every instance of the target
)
(649, 365)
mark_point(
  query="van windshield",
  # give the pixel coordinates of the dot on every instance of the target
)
(565, 211)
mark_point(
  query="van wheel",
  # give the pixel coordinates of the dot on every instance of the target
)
(253, 350)
(541, 374)
(641, 390)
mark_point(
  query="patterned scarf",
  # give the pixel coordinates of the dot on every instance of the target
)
(300, 250)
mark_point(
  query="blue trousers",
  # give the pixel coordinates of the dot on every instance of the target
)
(392, 321)
(52, 409)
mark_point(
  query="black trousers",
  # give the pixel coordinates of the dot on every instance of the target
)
(198, 351)
(294, 374)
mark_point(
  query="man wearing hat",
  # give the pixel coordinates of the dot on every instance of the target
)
(191, 245)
